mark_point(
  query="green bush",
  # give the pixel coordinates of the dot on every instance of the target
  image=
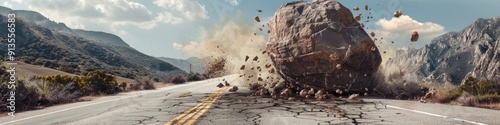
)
(488, 98)
(100, 82)
(447, 95)
(95, 82)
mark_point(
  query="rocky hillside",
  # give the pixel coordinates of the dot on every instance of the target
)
(474, 51)
(43, 42)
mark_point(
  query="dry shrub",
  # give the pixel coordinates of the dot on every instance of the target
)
(143, 84)
(467, 99)
(27, 97)
(68, 93)
(178, 79)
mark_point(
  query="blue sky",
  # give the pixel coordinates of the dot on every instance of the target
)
(162, 28)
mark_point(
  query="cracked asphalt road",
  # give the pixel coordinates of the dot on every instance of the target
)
(160, 106)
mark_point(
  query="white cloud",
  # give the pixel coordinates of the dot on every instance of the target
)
(232, 2)
(111, 14)
(399, 30)
(405, 24)
(167, 17)
(190, 9)
(7, 4)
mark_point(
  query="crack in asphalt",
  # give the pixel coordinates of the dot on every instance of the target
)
(252, 109)
(242, 108)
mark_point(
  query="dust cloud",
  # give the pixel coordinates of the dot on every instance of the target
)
(235, 40)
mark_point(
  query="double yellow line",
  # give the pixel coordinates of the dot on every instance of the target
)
(190, 116)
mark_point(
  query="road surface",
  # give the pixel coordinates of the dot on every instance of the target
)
(203, 103)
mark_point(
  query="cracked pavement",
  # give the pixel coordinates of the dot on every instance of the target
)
(157, 107)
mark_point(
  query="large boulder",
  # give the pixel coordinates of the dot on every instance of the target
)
(320, 45)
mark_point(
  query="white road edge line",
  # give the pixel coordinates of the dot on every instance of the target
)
(143, 93)
(436, 115)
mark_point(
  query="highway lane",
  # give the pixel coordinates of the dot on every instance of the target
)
(140, 107)
(204, 103)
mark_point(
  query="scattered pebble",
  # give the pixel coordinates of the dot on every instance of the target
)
(353, 97)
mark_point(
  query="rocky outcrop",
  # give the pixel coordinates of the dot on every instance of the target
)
(474, 51)
(320, 45)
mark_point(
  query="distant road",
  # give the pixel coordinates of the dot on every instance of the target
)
(203, 103)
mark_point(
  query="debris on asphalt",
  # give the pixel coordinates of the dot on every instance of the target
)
(220, 85)
(286, 92)
(354, 97)
(234, 89)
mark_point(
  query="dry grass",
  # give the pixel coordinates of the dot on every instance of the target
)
(26, 71)
(495, 106)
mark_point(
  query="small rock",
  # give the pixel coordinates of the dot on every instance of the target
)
(397, 14)
(354, 97)
(414, 36)
(320, 95)
(220, 85)
(234, 89)
(338, 91)
(338, 66)
(303, 93)
(311, 91)
(286, 92)
(257, 18)
(256, 58)
(355, 8)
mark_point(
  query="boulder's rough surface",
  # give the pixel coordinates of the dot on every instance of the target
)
(320, 45)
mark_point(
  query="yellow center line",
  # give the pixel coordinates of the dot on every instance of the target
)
(185, 113)
(203, 110)
(208, 102)
(195, 109)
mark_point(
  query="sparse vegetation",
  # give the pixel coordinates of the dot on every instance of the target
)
(51, 90)
(143, 84)
(194, 77)
(178, 79)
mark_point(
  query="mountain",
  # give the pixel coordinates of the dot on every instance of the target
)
(449, 58)
(195, 63)
(41, 41)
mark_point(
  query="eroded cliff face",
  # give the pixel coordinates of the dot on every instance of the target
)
(474, 51)
(320, 45)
